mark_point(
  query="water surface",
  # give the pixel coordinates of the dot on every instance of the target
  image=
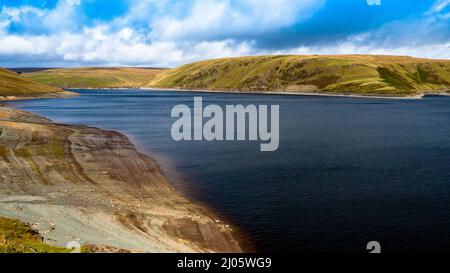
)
(348, 170)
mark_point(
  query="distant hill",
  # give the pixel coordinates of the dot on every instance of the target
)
(340, 74)
(332, 74)
(96, 77)
(12, 84)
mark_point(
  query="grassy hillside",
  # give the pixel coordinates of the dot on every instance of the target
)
(17, 237)
(343, 74)
(12, 84)
(95, 77)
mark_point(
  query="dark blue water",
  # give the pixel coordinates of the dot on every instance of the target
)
(348, 170)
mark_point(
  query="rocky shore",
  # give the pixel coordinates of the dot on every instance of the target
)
(62, 94)
(78, 183)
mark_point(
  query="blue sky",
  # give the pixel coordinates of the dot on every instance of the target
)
(169, 33)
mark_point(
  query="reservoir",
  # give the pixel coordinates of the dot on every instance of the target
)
(347, 171)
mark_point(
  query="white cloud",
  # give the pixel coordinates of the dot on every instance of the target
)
(438, 6)
(125, 47)
(352, 46)
(220, 18)
(63, 17)
(168, 41)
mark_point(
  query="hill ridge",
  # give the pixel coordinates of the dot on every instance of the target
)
(352, 74)
(335, 74)
(12, 84)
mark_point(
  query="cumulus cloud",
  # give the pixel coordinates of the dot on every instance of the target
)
(217, 19)
(157, 33)
(426, 35)
(32, 20)
(151, 33)
(94, 46)
(363, 45)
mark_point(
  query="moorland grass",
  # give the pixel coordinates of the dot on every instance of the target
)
(359, 74)
(91, 77)
(18, 237)
(11, 84)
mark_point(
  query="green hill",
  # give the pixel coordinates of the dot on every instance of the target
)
(18, 237)
(12, 84)
(95, 77)
(340, 74)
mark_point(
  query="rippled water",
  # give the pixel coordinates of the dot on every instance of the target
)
(348, 171)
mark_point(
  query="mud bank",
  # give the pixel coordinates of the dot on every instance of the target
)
(63, 94)
(78, 183)
(420, 95)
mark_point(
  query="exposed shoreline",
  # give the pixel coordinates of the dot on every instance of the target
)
(92, 185)
(63, 94)
(418, 96)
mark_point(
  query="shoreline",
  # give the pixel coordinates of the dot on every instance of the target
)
(421, 95)
(59, 95)
(175, 232)
(177, 181)
(418, 96)
(288, 93)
